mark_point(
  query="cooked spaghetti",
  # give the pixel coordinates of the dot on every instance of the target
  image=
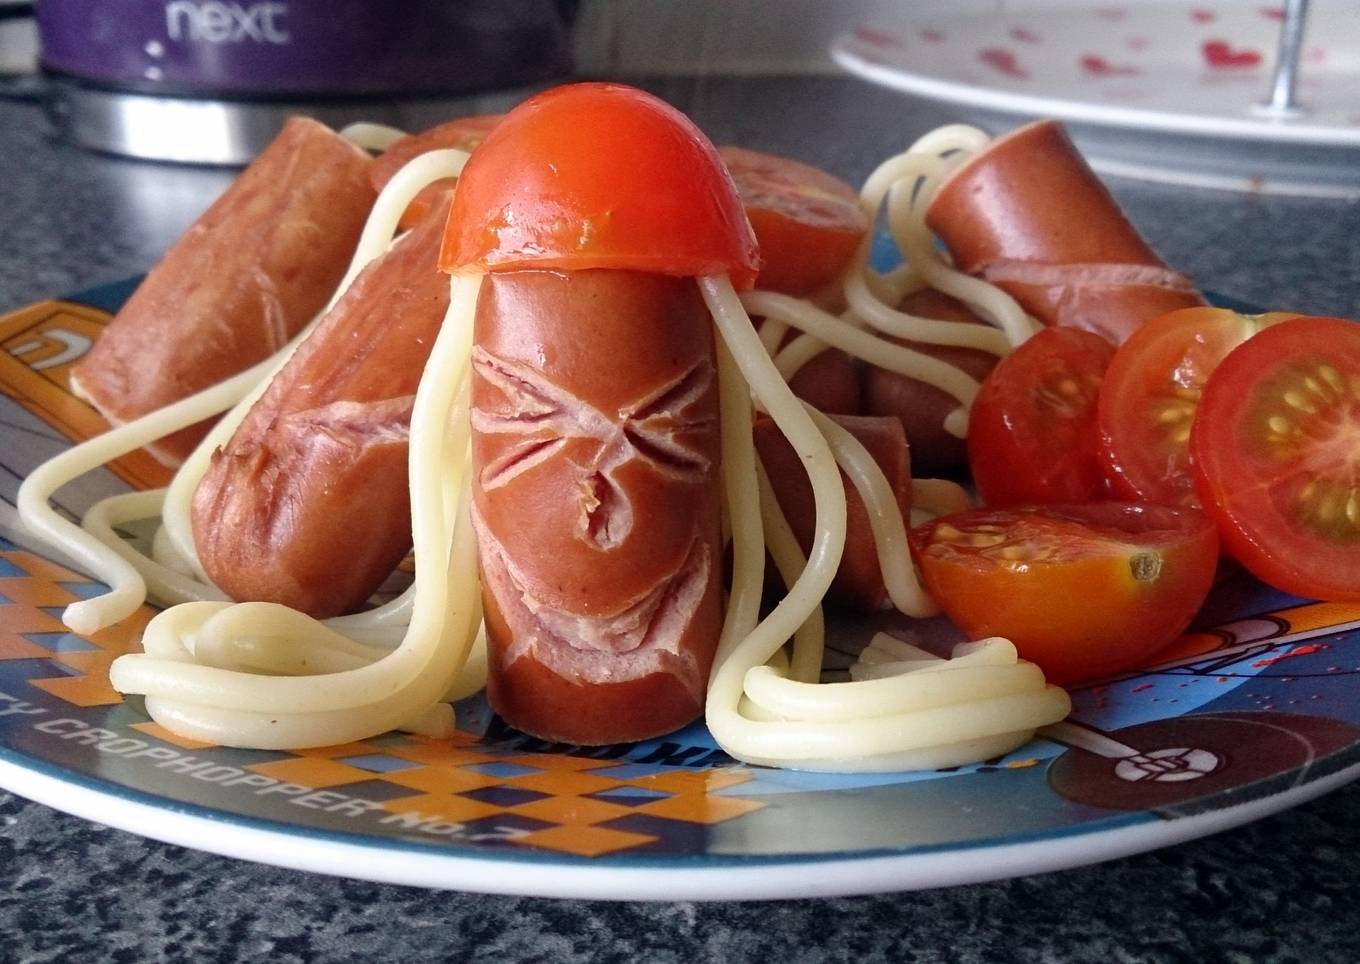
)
(261, 675)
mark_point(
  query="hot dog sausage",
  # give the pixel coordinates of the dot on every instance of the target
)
(307, 504)
(595, 437)
(1029, 214)
(590, 209)
(859, 580)
(830, 382)
(922, 408)
(248, 275)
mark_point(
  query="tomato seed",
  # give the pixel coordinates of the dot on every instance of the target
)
(1294, 400)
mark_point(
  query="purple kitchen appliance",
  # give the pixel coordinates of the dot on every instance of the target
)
(211, 81)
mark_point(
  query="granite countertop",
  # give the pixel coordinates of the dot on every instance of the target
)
(1281, 889)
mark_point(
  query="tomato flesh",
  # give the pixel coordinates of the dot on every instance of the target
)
(1083, 590)
(1276, 455)
(599, 176)
(1150, 395)
(463, 134)
(808, 222)
(1032, 429)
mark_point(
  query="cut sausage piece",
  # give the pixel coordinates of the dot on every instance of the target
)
(596, 500)
(245, 278)
(1029, 215)
(830, 382)
(308, 504)
(922, 408)
(859, 580)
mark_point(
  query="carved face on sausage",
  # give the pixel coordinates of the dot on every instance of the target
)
(596, 452)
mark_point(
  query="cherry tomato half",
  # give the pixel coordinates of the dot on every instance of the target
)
(464, 134)
(1150, 394)
(808, 222)
(599, 176)
(1082, 590)
(1276, 455)
(1032, 430)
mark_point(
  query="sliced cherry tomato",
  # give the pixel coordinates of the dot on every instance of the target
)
(1082, 590)
(808, 222)
(464, 134)
(1032, 430)
(1151, 390)
(599, 176)
(1276, 455)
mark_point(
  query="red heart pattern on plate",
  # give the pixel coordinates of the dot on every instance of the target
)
(1002, 60)
(1098, 66)
(1213, 46)
(1220, 54)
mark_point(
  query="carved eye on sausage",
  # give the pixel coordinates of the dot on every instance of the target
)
(595, 441)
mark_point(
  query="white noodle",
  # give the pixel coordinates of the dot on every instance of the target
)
(797, 353)
(809, 642)
(939, 496)
(904, 171)
(127, 590)
(372, 137)
(885, 354)
(885, 518)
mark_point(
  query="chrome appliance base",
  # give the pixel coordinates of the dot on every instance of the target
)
(200, 130)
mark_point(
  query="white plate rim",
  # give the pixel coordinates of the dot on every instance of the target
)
(845, 53)
(338, 855)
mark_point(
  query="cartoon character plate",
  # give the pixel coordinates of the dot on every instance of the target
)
(1166, 90)
(1257, 709)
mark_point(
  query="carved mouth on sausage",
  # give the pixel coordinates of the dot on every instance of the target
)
(641, 638)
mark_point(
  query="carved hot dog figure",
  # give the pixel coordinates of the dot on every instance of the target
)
(595, 440)
(1029, 215)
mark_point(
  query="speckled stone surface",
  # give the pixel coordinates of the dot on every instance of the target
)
(1283, 889)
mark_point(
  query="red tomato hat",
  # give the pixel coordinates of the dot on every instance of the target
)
(599, 176)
